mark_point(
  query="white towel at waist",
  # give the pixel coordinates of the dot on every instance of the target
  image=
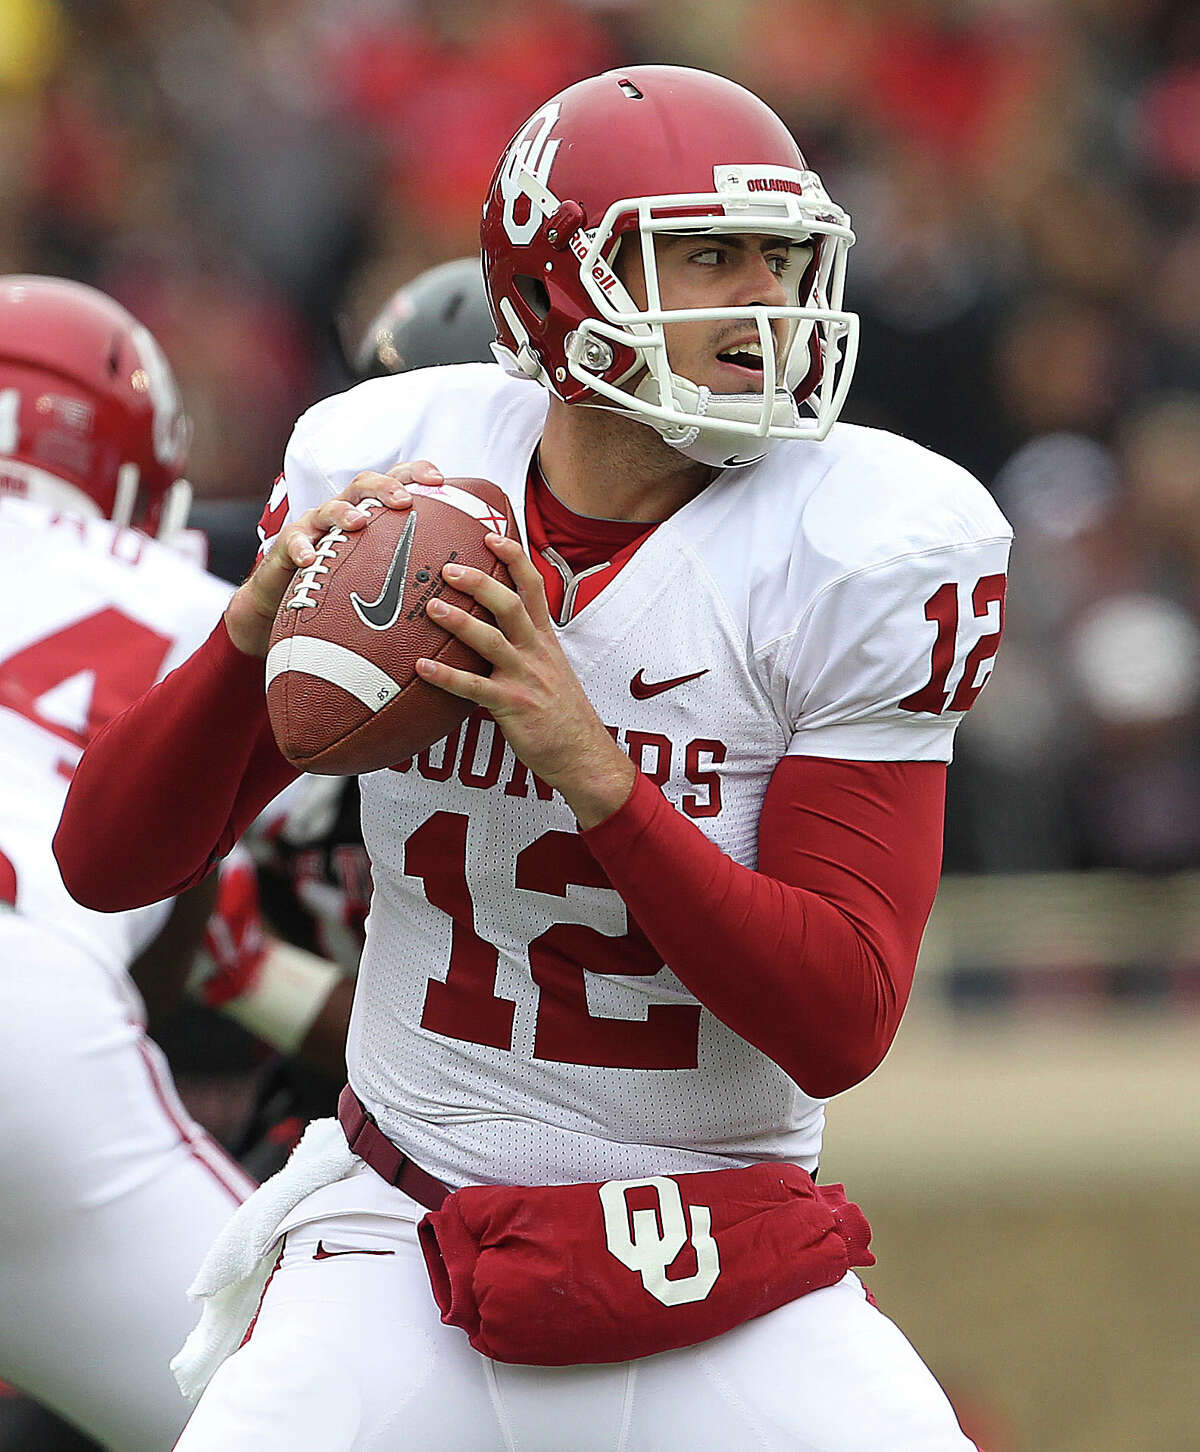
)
(231, 1279)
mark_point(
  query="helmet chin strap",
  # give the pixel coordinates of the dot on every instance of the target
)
(125, 499)
(176, 505)
(707, 440)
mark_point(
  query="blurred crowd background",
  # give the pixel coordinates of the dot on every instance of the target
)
(253, 178)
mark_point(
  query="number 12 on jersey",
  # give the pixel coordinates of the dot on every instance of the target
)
(465, 1004)
(942, 610)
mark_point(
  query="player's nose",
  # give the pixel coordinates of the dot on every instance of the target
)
(759, 283)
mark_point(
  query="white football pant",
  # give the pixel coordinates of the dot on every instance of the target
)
(348, 1352)
(109, 1196)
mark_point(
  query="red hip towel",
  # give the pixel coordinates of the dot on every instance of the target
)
(565, 1275)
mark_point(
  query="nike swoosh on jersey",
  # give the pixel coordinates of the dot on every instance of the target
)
(642, 689)
(322, 1254)
(383, 613)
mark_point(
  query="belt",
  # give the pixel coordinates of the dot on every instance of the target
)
(373, 1147)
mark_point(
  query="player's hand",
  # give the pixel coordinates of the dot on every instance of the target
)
(251, 612)
(532, 693)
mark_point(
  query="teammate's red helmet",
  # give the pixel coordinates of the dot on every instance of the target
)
(664, 149)
(90, 418)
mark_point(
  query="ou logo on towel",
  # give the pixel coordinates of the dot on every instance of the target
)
(636, 1241)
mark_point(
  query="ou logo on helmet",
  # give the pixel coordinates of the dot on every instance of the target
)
(530, 155)
(635, 1240)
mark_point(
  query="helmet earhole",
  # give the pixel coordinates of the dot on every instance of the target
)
(533, 294)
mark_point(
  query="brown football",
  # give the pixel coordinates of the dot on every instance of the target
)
(343, 694)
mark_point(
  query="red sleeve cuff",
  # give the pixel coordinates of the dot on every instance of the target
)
(234, 669)
(629, 822)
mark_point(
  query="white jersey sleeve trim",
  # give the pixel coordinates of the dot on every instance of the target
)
(917, 740)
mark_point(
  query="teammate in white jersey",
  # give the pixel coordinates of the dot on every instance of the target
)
(109, 1192)
(661, 895)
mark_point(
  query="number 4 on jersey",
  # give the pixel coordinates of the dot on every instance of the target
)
(942, 610)
(71, 681)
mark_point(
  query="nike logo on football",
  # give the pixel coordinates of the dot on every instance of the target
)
(322, 1254)
(642, 689)
(383, 613)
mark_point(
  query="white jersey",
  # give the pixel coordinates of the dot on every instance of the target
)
(839, 599)
(94, 615)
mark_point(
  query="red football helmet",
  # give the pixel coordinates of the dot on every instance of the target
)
(656, 149)
(90, 418)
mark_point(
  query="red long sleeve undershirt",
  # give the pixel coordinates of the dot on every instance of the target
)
(810, 958)
(166, 788)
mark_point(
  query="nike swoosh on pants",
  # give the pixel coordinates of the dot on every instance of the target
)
(322, 1254)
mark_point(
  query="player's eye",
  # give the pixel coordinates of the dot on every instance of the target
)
(708, 257)
(788, 259)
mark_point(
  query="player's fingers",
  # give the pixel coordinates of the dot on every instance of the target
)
(253, 607)
(297, 542)
(503, 604)
(463, 684)
(384, 487)
(525, 576)
(483, 638)
(417, 471)
(294, 548)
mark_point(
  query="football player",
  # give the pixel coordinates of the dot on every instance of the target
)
(661, 896)
(109, 1192)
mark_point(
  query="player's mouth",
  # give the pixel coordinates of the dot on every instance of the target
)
(742, 361)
